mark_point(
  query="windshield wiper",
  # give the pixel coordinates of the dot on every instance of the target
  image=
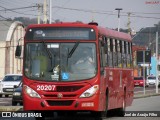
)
(73, 49)
(48, 51)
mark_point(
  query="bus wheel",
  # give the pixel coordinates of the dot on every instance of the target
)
(121, 111)
(102, 114)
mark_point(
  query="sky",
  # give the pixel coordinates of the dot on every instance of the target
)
(144, 13)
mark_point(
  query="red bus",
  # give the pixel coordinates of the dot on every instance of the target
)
(76, 67)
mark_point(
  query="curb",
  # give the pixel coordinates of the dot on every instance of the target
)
(11, 108)
(147, 95)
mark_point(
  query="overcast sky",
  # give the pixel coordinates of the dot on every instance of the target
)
(101, 11)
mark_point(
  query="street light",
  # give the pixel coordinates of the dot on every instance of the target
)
(119, 9)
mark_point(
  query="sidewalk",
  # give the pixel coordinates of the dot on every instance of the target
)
(148, 93)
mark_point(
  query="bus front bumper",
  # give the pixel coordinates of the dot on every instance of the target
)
(81, 104)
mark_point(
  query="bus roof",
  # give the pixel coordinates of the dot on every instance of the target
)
(60, 24)
(114, 34)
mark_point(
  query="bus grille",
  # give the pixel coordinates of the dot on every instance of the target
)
(60, 103)
(68, 88)
(64, 95)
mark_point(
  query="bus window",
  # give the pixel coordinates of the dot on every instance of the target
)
(110, 49)
(115, 63)
(128, 55)
(130, 49)
(106, 50)
(119, 52)
(102, 55)
(123, 54)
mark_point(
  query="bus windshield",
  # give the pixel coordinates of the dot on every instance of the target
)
(60, 61)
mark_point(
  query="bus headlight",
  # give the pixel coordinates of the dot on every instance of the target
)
(31, 92)
(90, 92)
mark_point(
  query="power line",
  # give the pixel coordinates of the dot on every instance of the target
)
(107, 12)
(6, 9)
(16, 11)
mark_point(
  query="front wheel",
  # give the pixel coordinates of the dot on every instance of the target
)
(102, 114)
(121, 111)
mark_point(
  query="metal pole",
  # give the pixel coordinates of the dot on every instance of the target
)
(39, 12)
(118, 17)
(144, 72)
(45, 12)
(157, 61)
(50, 11)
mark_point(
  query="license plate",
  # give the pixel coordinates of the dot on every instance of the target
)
(137, 84)
(152, 83)
(9, 90)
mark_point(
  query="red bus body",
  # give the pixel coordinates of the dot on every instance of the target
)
(115, 84)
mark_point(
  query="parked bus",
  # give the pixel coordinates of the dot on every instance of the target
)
(76, 67)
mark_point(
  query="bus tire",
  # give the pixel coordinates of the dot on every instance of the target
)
(102, 114)
(121, 111)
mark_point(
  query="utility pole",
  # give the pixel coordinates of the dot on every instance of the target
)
(39, 12)
(119, 9)
(157, 60)
(50, 11)
(129, 23)
(45, 12)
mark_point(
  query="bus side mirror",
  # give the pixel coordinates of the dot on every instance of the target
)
(18, 51)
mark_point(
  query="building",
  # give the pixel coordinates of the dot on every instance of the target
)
(137, 68)
(11, 32)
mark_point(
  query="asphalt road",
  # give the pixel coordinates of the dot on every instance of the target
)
(143, 105)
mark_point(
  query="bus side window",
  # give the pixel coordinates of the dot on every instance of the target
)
(119, 51)
(106, 51)
(128, 54)
(110, 50)
(115, 53)
(124, 53)
(102, 54)
(130, 49)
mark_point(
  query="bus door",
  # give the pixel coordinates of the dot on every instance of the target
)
(103, 73)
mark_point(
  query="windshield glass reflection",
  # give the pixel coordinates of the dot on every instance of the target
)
(60, 61)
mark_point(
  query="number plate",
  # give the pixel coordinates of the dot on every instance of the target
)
(137, 84)
(9, 90)
(46, 88)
